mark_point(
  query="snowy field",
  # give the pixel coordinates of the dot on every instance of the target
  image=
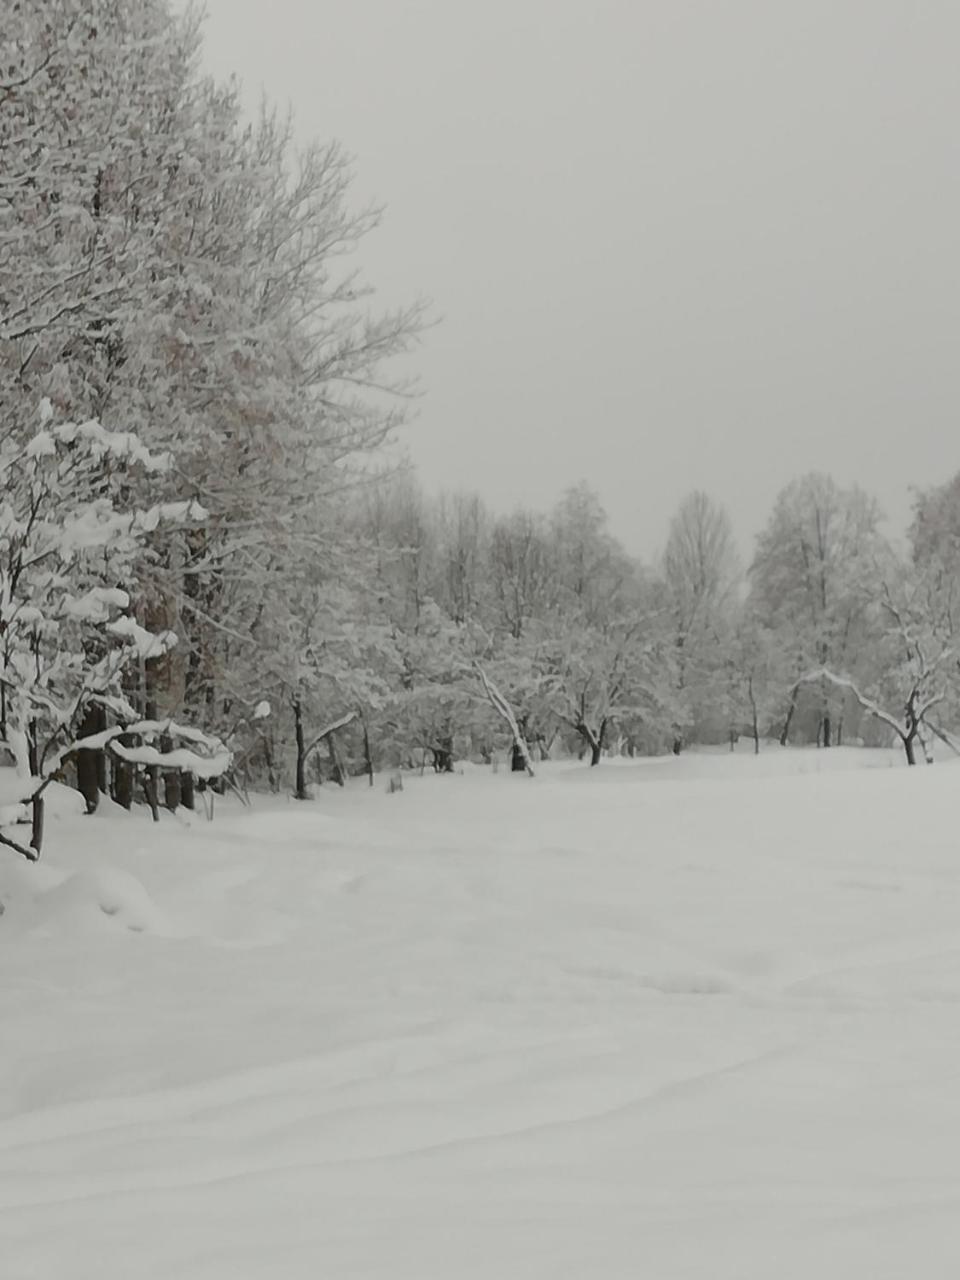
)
(695, 1018)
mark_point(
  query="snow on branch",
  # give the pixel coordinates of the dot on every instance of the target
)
(146, 644)
(69, 537)
(868, 704)
(121, 445)
(505, 711)
(178, 758)
(211, 763)
(31, 855)
(330, 728)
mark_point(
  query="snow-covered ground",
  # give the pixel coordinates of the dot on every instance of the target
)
(686, 1018)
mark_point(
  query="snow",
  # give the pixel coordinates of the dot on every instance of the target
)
(148, 644)
(679, 1018)
(177, 758)
(116, 444)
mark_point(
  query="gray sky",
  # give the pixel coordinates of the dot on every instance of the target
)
(675, 243)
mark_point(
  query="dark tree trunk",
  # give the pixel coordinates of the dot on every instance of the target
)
(785, 732)
(36, 825)
(87, 780)
(909, 748)
(301, 782)
(272, 780)
(367, 756)
(755, 719)
(151, 774)
(335, 764)
(188, 797)
(443, 755)
(518, 763)
(36, 817)
(89, 762)
(100, 719)
(677, 744)
(827, 739)
(593, 742)
(172, 789)
(123, 776)
(151, 791)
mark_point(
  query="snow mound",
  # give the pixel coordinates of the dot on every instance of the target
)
(105, 899)
(21, 882)
(59, 801)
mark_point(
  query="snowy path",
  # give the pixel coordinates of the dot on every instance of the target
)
(699, 1020)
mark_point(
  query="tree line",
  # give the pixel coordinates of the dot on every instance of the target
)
(207, 563)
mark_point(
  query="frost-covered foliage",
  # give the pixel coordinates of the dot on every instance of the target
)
(167, 266)
(71, 550)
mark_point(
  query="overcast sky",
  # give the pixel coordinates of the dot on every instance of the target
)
(674, 243)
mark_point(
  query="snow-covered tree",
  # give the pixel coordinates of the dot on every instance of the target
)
(812, 580)
(167, 267)
(701, 573)
(913, 675)
(935, 553)
(520, 572)
(71, 548)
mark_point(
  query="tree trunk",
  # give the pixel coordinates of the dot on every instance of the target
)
(592, 741)
(123, 775)
(151, 775)
(188, 796)
(36, 818)
(272, 780)
(101, 755)
(595, 742)
(172, 790)
(908, 746)
(443, 755)
(88, 763)
(335, 764)
(518, 761)
(301, 783)
(755, 719)
(367, 757)
(785, 732)
(151, 791)
(827, 739)
(36, 825)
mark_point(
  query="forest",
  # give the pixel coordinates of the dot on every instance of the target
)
(213, 569)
